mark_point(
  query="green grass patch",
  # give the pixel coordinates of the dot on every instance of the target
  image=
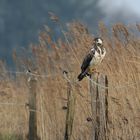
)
(10, 137)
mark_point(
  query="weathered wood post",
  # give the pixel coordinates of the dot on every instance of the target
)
(99, 93)
(32, 82)
(70, 108)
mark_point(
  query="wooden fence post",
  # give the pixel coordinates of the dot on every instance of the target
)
(99, 92)
(32, 81)
(70, 110)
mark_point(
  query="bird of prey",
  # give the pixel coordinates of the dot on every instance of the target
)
(92, 59)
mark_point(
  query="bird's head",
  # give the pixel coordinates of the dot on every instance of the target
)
(98, 41)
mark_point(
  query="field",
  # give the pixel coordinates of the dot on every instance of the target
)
(47, 61)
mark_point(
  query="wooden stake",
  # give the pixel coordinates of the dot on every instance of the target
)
(99, 106)
(32, 108)
(70, 111)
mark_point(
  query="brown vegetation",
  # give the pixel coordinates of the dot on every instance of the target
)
(50, 58)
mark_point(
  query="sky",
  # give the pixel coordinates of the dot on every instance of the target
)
(22, 20)
(127, 11)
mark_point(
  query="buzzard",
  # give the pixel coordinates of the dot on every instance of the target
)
(92, 59)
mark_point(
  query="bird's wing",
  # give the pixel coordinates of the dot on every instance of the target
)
(87, 60)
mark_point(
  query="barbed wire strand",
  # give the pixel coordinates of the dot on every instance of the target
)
(128, 84)
(17, 105)
(28, 72)
(11, 103)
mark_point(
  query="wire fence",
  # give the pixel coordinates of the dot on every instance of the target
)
(128, 84)
(123, 85)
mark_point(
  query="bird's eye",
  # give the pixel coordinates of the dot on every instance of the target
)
(99, 44)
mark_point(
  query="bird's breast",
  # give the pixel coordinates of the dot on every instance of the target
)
(95, 61)
(97, 58)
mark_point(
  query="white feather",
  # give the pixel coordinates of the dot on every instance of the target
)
(98, 56)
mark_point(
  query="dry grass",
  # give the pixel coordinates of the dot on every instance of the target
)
(121, 65)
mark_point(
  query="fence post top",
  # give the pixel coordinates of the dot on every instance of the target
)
(69, 76)
(31, 76)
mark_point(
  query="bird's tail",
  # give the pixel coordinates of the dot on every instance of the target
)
(81, 76)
